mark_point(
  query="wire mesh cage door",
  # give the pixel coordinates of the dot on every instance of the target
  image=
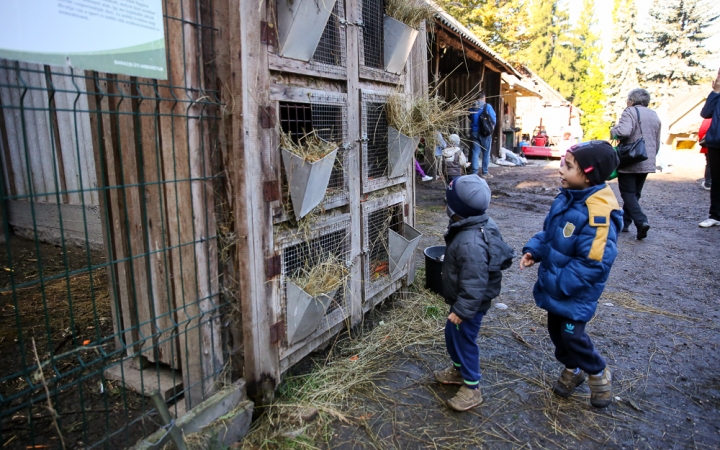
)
(110, 243)
(326, 115)
(302, 254)
(375, 154)
(371, 34)
(330, 56)
(378, 217)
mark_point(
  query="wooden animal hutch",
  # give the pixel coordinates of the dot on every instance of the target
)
(337, 89)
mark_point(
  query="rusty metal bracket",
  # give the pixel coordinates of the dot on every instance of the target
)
(271, 191)
(268, 33)
(272, 266)
(277, 332)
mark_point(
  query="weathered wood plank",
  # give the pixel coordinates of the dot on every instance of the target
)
(101, 127)
(161, 292)
(37, 132)
(13, 122)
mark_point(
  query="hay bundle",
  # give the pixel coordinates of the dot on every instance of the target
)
(425, 116)
(310, 147)
(323, 277)
(411, 12)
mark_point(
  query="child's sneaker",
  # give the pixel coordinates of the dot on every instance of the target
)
(568, 381)
(465, 399)
(449, 376)
(601, 389)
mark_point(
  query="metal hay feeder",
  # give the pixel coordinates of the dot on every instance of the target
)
(300, 26)
(308, 181)
(401, 246)
(399, 39)
(400, 152)
(304, 312)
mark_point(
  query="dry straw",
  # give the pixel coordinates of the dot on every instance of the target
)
(411, 12)
(425, 116)
(323, 277)
(310, 147)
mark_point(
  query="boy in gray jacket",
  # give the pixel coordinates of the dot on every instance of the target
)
(474, 256)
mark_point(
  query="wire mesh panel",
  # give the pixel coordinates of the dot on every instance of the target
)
(110, 288)
(371, 35)
(327, 116)
(375, 160)
(301, 251)
(330, 53)
(379, 216)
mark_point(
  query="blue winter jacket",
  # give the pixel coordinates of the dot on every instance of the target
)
(475, 116)
(712, 110)
(576, 249)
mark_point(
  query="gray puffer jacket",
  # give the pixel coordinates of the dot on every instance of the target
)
(627, 130)
(474, 256)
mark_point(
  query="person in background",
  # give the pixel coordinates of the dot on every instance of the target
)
(711, 110)
(440, 144)
(455, 161)
(480, 141)
(565, 144)
(418, 167)
(707, 179)
(631, 178)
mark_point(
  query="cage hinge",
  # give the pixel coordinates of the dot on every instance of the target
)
(268, 34)
(347, 145)
(272, 266)
(407, 209)
(271, 191)
(363, 139)
(277, 332)
(267, 116)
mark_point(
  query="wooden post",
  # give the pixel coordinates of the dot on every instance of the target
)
(247, 83)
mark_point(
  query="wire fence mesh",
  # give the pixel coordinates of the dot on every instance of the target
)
(372, 34)
(110, 280)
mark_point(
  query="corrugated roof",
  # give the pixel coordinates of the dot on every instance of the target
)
(463, 31)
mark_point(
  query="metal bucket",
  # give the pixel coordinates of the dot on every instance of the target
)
(400, 152)
(308, 181)
(433, 268)
(401, 247)
(300, 26)
(304, 313)
(399, 39)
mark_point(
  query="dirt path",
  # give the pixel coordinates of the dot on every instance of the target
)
(658, 326)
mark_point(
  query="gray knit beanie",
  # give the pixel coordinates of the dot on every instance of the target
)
(467, 196)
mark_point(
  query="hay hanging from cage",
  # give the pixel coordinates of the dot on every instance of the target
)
(425, 116)
(411, 12)
(310, 147)
(326, 276)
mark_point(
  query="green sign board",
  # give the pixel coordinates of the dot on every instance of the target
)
(114, 36)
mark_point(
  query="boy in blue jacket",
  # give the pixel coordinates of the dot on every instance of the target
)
(475, 254)
(576, 250)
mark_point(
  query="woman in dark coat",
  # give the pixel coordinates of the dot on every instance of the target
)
(631, 178)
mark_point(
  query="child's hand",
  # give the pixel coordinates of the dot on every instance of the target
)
(526, 261)
(454, 318)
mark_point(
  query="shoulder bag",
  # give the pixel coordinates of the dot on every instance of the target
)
(633, 152)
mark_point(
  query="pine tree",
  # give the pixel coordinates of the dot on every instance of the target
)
(588, 92)
(675, 48)
(551, 53)
(498, 23)
(624, 60)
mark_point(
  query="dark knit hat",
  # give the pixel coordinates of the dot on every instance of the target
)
(467, 196)
(598, 159)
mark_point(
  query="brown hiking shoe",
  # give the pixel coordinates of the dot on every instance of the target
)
(601, 389)
(568, 381)
(449, 376)
(465, 399)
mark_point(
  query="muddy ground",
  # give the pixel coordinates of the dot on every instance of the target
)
(657, 325)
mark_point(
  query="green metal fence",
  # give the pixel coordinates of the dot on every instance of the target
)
(110, 277)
